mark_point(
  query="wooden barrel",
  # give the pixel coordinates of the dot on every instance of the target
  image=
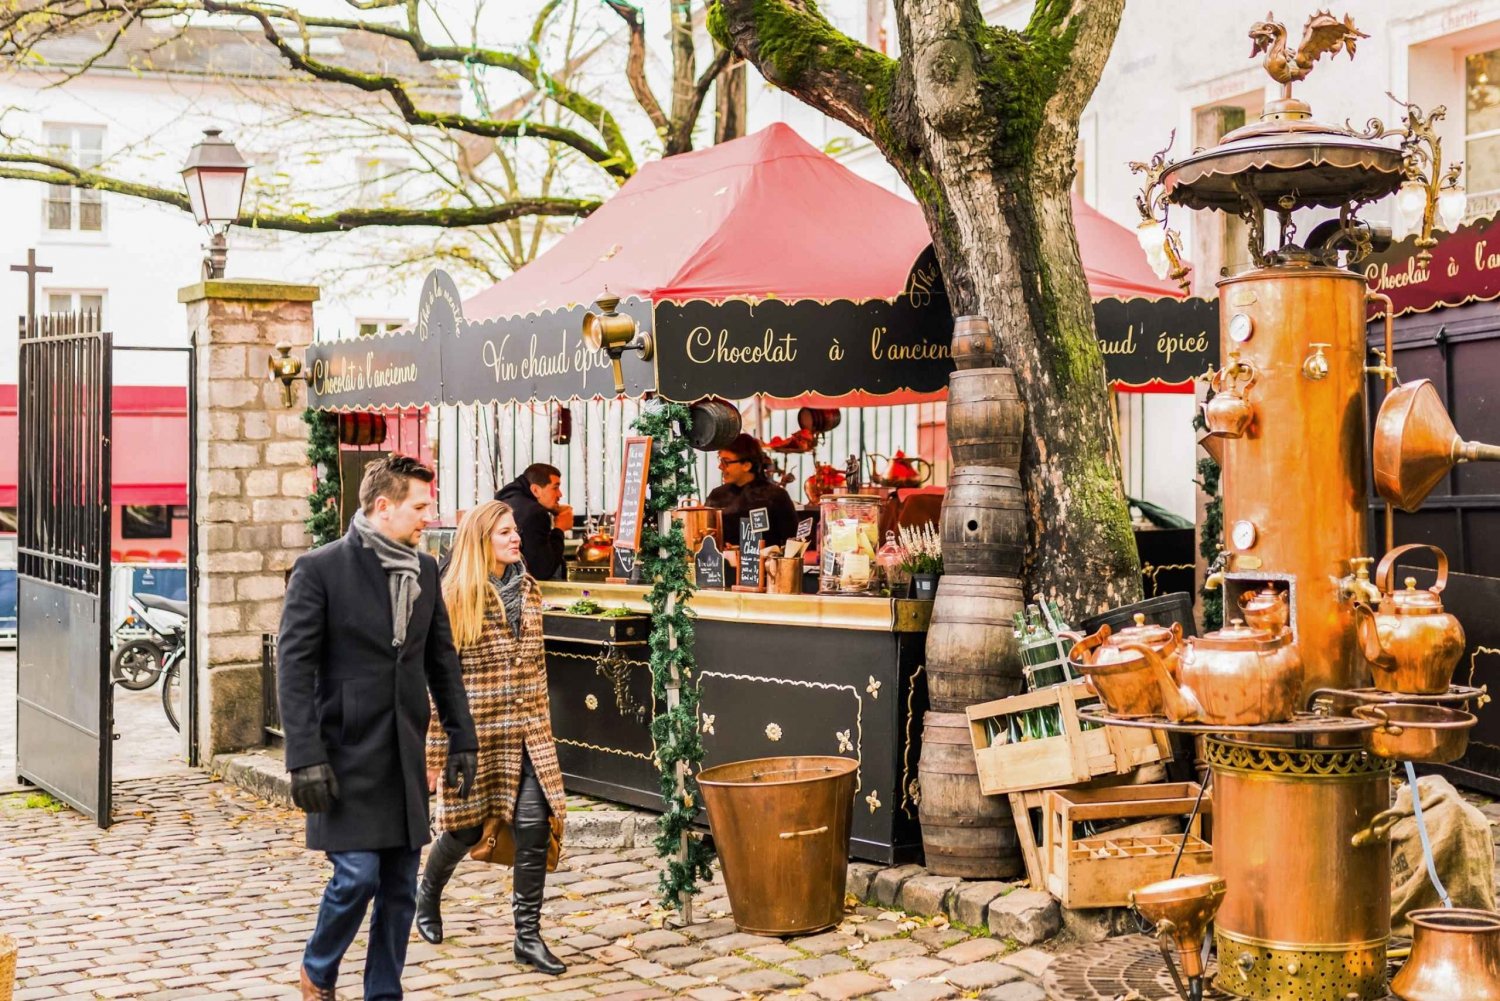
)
(984, 522)
(964, 832)
(985, 418)
(818, 420)
(715, 423)
(972, 655)
(974, 344)
(562, 424)
(362, 427)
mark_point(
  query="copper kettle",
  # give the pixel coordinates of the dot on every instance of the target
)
(1229, 413)
(597, 548)
(1266, 609)
(1411, 644)
(1122, 667)
(1235, 676)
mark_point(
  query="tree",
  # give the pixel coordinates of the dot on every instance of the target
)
(539, 126)
(982, 124)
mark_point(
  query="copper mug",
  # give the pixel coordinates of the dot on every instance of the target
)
(1455, 956)
(783, 574)
(1229, 413)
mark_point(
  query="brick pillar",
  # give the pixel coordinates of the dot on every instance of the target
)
(251, 485)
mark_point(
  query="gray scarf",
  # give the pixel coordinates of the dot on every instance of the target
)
(401, 568)
(511, 588)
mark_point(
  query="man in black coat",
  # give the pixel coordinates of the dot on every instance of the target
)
(364, 639)
(535, 498)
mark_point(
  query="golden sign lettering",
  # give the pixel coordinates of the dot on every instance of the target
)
(706, 348)
(905, 352)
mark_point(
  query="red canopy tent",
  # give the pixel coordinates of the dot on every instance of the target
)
(767, 216)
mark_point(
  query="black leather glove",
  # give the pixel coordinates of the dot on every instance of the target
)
(314, 788)
(462, 767)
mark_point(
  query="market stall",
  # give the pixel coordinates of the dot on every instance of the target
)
(728, 275)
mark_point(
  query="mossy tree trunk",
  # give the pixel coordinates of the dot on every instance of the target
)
(982, 124)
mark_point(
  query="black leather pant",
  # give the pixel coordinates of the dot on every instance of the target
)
(531, 809)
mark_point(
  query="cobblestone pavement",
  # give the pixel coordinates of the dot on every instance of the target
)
(200, 891)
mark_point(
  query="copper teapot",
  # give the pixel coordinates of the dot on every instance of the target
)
(1229, 413)
(1236, 676)
(1266, 609)
(1118, 668)
(597, 548)
(1411, 644)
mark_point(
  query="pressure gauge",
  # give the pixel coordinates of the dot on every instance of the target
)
(1243, 534)
(1241, 327)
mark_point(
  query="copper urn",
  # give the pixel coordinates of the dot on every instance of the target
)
(1455, 956)
(1411, 644)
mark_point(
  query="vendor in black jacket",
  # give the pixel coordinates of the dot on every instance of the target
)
(742, 464)
(535, 498)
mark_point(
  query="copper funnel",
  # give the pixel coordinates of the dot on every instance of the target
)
(1416, 445)
(1182, 909)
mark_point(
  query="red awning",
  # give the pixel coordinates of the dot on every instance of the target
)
(150, 446)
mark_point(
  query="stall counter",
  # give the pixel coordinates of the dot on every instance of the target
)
(780, 675)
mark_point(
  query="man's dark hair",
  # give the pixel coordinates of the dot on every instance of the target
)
(391, 478)
(539, 474)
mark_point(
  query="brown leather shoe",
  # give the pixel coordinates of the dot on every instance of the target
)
(312, 992)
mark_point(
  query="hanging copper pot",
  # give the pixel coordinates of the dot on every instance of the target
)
(1455, 956)
(1416, 445)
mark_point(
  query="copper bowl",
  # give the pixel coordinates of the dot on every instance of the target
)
(1455, 956)
(1408, 731)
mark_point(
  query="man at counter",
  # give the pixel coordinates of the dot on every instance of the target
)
(743, 466)
(535, 497)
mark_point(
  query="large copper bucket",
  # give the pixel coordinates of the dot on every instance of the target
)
(781, 828)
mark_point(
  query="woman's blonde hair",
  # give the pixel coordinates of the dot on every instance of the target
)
(466, 585)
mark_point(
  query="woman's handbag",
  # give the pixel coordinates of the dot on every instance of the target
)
(498, 845)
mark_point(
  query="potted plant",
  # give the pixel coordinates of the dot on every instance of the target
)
(922, 560)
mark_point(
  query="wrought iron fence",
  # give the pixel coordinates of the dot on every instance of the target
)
(270, 709)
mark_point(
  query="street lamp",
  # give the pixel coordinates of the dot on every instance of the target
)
(215, 179)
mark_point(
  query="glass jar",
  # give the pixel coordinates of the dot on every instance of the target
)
(890, 557)
(848, 531)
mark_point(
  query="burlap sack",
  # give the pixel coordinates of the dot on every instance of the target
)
(1461, 846)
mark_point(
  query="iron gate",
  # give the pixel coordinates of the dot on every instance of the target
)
(64, 709)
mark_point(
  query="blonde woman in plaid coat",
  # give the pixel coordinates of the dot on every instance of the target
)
(496, 611)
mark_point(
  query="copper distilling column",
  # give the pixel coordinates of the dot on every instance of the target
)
(1307, 914)
(1294, 484)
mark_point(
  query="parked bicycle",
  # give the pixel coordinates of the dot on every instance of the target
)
(160, 626)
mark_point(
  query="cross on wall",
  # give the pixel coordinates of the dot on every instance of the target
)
(32, 269)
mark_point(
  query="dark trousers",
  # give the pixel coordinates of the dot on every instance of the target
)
(389, 877)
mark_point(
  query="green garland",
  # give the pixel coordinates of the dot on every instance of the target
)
(323, 455)
(675, 732)
(1211, 535)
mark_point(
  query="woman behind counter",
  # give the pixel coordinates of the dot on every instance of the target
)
(496, 610)
(742, 464)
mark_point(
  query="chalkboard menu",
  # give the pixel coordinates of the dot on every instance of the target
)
(708, 565)
(804, 529)
(632, 493)
(750, 544)
(624, 567)
(760, 520)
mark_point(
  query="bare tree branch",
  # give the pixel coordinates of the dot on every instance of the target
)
(635, 65)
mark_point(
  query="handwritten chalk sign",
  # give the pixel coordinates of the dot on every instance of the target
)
(624, 567)
(632, 505)
(760, 520)
(804, 529)
(750, 545)
(708, 565)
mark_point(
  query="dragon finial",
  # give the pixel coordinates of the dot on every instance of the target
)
(1323, 35)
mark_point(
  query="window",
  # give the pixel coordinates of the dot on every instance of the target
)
(1482, 128)
(1219, 240)
(369, 328)
(68, 208)
(146, 521)
(70, 302)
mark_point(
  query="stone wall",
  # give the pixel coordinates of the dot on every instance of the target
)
(251, 486)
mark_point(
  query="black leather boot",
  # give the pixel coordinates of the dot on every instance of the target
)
(441, 861)
(529, 877)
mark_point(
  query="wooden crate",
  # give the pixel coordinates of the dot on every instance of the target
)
(1024, 806)
(1077, 755)
(1101, 870)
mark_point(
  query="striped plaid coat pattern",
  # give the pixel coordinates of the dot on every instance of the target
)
(505, 677)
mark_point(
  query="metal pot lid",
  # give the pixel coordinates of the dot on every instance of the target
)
(1239, 636)
(1415, 600)
(1309, 163)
